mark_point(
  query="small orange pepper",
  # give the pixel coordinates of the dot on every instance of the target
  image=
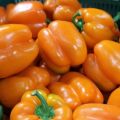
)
(76, 89)
(95, 25)
(61, 9)
(12, 88)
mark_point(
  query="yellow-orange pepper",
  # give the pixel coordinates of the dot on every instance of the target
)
(17, 49)
(37, 105)
(12, 88)
(76, 89)
(61, 46)
(61, 9)
(95, 25)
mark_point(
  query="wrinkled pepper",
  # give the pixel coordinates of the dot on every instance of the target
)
(3, 16)
(96, 112)
(17, 49)
(37, 105)
(12, 88)
(91, 70)
(76, 89)
(114, 98)
(61, 9)
(108, 57)
(61, 46)
(30, 13)
(95, 25)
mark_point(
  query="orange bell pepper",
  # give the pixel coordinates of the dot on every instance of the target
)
(92, 71)
(96, 112)
(95, 25)
(38, 105)
(61, 46)
(30, 13)
(61, 9)
(114, 98)
(17, 49)
(76, 89)
(3, 16)
(27, 12)
(108, 58)
(12, 88)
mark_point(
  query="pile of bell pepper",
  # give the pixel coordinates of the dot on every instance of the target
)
(59, 61)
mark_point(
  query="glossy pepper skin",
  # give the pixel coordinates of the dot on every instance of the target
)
(30, 13)
(92, 71)
(61, 46)
(3, 16)
(76, 89)
(12, 88)
(114, 98)
(108, 57)
(96, 112)
(17, 49)
(27, 12)
(47, 107)
(61, 9)
(95, 25)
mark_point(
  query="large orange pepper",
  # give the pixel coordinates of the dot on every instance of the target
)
(17, 49)
(108, 58)
(95, 25)
(61, 9)
(30, 13)
(12, 88)
(38, 105)
(3, 16)
(96, 112)
(76, 89)
(114, 98)
(92, 71)
(61, 46)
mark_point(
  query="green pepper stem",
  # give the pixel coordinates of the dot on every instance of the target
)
(78, 22)
(117, 17)
(1, 112)
(43, 110)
